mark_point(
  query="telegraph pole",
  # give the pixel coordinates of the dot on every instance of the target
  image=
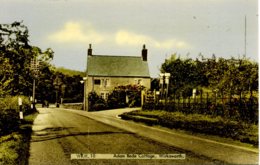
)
(245, 37)
(84, 82)
(164, 81)
(35, 70)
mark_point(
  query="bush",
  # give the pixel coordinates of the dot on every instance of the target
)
(116, 99)
(147, 120)
(99, 106)
(201, 123)
(198, 123)
(9, 121)
(96, 102)
(244, 111)
(14, 147)
(9, 113)
(11, 102)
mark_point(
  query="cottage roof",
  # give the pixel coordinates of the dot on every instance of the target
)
(117, 66)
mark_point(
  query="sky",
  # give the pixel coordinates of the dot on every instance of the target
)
(121, 27)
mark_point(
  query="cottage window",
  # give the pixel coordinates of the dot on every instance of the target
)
(105, 82)
(104, 95)
(138, 81)
(97, 82)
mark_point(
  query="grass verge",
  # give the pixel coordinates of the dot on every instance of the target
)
(14, 147)
(197, 123)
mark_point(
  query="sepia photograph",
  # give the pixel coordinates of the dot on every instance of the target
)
(129, 82)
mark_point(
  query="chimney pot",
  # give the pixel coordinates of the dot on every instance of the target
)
(90, 50)
(144, 53)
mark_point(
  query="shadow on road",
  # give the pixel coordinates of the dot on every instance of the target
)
(61, 132)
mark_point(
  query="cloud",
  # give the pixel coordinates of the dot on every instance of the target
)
(124, 37)
(75, 32)
(78, 32)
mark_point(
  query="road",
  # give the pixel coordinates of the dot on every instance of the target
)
(229, 152)
(60, 133)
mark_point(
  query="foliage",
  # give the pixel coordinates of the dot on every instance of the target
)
(120, 97)
(52, 86)
(73, 88)
(11, 102)
(132, 92)
(9, 149)
(239, 109)
(14, 147)
(96, 102)
(198, 123)
(45, 89)
(117, 99)
(211, 125)
(69, 72)
(16, 56)
(136, 118)
(9, 121)
(9, 113)
(226, 76)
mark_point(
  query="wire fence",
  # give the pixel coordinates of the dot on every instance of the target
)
(232, 107)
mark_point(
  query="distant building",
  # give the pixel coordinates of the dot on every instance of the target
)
(105, 72)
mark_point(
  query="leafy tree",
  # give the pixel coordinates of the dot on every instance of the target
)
(184, 74)
(73, 88)
(16, 55)
(227, 76)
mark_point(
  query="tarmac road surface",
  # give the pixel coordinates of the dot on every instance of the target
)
(57, 134)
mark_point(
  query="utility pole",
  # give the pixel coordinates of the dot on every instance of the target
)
(35, 70)
(164, 81)
(84, 82)
(245, 37)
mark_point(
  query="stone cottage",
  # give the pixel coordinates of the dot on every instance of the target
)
(105, 72)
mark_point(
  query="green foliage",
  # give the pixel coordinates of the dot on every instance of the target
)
(9, 121)
(198, 123)
(14, 147)
(9, 148)
(132, 92)
(11, 102)
(9, 113)
(117, 98)
(72, 88)
(227, 76)
(16, 55)
(144, 119)
(239, 109)
(96, 102)
(210, 125)
(69, 72)
(52, 86)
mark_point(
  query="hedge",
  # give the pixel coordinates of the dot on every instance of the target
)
(9, 113)
(198, 123)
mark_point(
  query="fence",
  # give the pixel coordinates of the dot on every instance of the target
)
(232, 107)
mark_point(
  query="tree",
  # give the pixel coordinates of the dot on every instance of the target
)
(226, 76)
(184, 74)
(16, 55)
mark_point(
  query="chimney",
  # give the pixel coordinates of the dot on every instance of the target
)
(89, 50)
(144, 53)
